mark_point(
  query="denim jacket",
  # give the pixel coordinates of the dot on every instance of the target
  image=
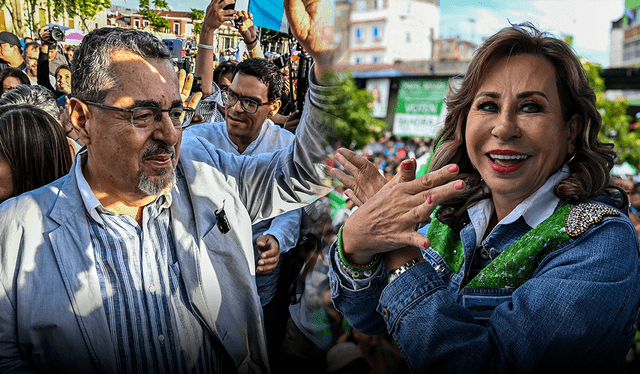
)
(578, 309)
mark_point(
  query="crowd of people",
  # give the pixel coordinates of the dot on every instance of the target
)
(228, 236)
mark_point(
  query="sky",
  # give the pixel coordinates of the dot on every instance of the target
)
(589, 21)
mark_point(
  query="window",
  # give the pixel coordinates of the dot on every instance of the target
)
(361, 5)
(376, 60)
(357, 60)
(176, 28)
(136, 23)
(145, 23)
(378, 4)
(359, 35)
(408, 37)
(376, 32)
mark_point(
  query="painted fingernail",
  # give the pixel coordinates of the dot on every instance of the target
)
(459, 185)
(407, 165)
(453, 168)
(424, 243)
(429, 200)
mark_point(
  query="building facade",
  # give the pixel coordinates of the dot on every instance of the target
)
(388, 31)
(23, 17)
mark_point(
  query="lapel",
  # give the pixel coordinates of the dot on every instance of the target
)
(186, 232)
(75, 258)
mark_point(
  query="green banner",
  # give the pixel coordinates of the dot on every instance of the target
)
(420, 110)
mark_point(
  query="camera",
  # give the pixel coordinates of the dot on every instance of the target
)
(281, 61)
(56, 34)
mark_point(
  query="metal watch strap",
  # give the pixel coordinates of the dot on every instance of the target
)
(399, 271)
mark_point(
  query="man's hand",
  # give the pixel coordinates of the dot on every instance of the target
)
(185, 82)
(215, 15)
(292, 122)
(44, 33)
(311, 23)
(269, 251)
(247, 29)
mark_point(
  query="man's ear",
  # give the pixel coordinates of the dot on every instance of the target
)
(575, 128)
(275, 106)
(79, 114)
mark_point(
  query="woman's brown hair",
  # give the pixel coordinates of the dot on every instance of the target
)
(35, 146)
(592, 161)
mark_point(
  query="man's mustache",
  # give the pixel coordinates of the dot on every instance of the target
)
(156, 149)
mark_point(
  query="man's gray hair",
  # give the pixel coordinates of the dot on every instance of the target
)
(35, 95)
(91, 71)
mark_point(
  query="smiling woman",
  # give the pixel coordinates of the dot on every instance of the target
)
(529, 262)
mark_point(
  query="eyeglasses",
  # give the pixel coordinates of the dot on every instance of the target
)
(248, 105)
(144, 117)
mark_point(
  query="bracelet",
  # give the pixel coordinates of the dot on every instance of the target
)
(200, 45)
(355, 274)
(254, 40)
(399, 271)
(351, 268)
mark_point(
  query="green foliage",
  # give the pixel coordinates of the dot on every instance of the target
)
(352, 107)
(615, 121)
(271, 36)
(158, 22)
(83, 9)
(197, 16)
(31, 9)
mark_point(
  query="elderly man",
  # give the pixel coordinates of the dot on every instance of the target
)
(137, 260)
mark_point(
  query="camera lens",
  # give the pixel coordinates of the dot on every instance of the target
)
(57, 34)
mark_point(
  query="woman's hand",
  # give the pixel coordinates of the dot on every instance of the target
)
(365, 180)
(387, 221)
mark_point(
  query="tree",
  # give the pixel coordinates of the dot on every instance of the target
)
(31, 8)
(12, 6)
(615, 121)
(158, 22)
(83, 9)
(197, 15)
(352, 107)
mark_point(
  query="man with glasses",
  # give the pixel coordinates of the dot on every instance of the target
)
(252, 97)
(137, 260)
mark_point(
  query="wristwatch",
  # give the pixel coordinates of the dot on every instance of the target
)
(399, 271)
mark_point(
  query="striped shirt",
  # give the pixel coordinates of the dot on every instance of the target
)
(153, 326)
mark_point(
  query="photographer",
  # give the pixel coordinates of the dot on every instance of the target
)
(214, 17)
(49, 59)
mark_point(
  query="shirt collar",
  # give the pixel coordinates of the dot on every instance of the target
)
(90, 200)
(534, 209)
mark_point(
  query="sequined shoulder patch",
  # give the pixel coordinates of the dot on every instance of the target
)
(585, 215)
